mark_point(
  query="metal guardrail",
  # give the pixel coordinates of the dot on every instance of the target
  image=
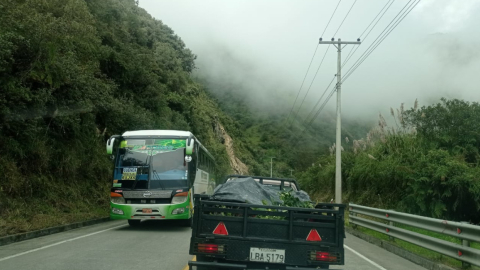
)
(463, 231)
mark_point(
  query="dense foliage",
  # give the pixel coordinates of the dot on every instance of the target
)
(427, 163)
(72, 73)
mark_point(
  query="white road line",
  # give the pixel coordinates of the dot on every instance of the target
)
(365, 258)
(58, 243)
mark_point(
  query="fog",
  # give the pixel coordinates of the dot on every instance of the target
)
(261, 49)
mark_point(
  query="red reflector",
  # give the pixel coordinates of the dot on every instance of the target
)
(208, 248)
(325, 256)
(220, 229)
(314, 236)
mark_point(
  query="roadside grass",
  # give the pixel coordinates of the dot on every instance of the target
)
(63, 205)
(426, 253)
(27, 218)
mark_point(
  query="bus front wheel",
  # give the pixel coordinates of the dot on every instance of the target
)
(134, 222)
(188, 222)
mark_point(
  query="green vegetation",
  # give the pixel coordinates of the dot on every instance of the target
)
(72, 73)
(426, 164)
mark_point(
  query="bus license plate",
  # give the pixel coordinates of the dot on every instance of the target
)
(147, 210)
(267, 255)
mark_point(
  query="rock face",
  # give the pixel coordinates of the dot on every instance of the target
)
(236, 164)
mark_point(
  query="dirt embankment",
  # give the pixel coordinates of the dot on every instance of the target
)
(236, 164)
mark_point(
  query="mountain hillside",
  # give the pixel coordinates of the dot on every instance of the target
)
(75, 72)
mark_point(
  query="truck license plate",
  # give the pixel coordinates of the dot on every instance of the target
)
(267, 255)
(147, 210)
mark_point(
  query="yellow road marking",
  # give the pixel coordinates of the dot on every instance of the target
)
(193, 259)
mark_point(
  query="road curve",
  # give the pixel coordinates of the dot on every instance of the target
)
(151, 246)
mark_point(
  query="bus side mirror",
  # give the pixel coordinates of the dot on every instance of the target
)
(189, 146)
(110, 143)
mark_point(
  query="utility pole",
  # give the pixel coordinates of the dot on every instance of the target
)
(338, 145)
(271, 166)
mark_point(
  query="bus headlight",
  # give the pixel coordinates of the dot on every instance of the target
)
(180, 198)
(178, 211)
(116, 198)
(117, 211)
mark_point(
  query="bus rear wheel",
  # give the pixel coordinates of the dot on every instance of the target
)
(134, 222)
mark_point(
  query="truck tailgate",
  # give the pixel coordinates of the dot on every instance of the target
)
(301, 235)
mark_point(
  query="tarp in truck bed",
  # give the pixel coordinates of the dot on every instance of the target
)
(247, 190)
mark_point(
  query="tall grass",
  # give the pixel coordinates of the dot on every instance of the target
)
(399, 168)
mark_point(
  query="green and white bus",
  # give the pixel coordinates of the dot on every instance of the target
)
(155, 174)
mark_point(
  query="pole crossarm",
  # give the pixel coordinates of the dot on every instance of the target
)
(340, 42)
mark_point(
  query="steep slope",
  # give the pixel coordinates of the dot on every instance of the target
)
(236, 164)
(72, 73)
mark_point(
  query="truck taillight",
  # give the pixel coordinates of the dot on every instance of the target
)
(323, 256)
(210, 248)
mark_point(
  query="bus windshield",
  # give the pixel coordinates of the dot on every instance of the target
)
(152, 163)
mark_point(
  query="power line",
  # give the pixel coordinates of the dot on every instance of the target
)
(308, 69)
(320, 99)
(351, 54)
(376, 18)
(350, 72)
(331, 17)
(300, 89)
(308, 90)
(361, 60)
(344, 18)
(405, 13)
(315, 76)
(373, 43)
(357, 47)
(320, 109)
(360, 37)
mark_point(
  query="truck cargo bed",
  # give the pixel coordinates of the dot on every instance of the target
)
(259, 236)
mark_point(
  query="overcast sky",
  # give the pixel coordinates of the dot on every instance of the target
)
(268, 44)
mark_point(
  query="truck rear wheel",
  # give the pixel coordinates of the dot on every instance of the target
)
(134, 222)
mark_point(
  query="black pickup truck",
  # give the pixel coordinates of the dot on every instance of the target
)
(227, 235)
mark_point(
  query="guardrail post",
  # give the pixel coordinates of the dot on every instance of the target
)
(353, 214)
(390, 237)
(465, 243)
(354, 225)
(390, 223)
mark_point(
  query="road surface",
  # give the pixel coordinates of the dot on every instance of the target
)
(152, 246)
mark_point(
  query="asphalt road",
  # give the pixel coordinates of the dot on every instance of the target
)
(153, 245)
